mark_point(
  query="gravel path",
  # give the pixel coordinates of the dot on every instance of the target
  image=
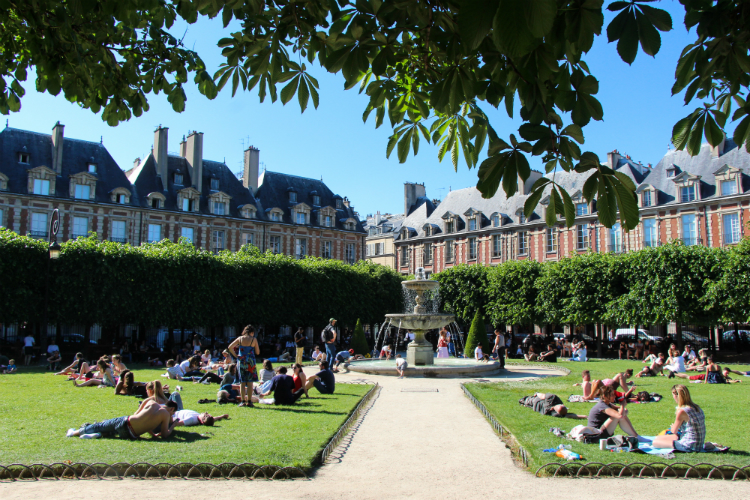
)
(411, 443)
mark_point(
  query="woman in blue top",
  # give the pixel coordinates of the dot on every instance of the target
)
(245, 348)
(689, 427)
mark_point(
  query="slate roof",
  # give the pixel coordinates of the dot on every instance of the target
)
(273, 192)
(77, 155)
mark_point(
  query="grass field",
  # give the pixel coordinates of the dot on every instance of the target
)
(725, 406)
(37, 408)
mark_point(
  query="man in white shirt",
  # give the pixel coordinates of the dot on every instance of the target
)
(189, 418)
(479, 355)
(28, 348)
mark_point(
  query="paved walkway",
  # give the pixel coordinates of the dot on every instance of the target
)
(410, 444)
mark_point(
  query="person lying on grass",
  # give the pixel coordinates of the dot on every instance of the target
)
(282, 386)
(149, 417)
(713, 375)
(103, 377)
(688, 432)
(619, 380)
(548, 404)
(79, 366)
(606, 416)
(657, 367)
(728, 370)
(190, 418)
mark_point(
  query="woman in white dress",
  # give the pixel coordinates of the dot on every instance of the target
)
(442, 347)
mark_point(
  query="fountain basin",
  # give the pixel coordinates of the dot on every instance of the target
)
(442, 368)
(421, 321)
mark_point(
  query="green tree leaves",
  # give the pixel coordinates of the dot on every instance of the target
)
(636, 23)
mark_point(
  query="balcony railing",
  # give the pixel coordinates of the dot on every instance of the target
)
(78, 235)
(118, 240)
(38, 234)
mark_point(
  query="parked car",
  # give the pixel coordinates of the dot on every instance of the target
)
(629, 334)
(694, 339)
(730, 342)
(71, 340)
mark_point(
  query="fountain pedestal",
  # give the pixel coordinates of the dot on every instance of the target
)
(419, 352)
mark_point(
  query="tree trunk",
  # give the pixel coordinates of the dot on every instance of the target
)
(600, 340)
(678, 335)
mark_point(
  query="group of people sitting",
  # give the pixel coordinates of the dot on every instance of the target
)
(578, 350)
(679, 365)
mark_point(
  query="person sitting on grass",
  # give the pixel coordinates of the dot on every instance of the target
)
(117, 365)
(656, 368)
(282, 386)
(606, 416)
(713, 375)
(324, 381)
(146, 419)
(585, 384)
(156, 393)
(300, 379)
(619, 380)
(174, 371)
(580, 353)
(548, 404)
(192, 367)
(342, 358)
(206, 358)
(127, 386)
(550, 355)
(698, 363)
(688, 432)
(11, 368)
(531, 355)
(79, 366)
(318, 355)
(53, 360)
(105, 376)
(228, 390)
(190, 418)
(401, 365)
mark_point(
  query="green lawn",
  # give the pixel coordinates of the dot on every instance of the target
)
(37, 408)
(725, 407)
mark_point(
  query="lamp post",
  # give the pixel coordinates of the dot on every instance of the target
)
(52, 254)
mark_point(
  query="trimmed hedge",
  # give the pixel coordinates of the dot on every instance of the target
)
(175, 285)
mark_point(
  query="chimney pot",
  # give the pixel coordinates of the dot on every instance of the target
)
(57, 147)
(161, 156)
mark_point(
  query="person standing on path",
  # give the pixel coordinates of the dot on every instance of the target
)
(442, 349)
(247, 345)
(500, 347)
(329, 338)
(28, 348)
(300, 340)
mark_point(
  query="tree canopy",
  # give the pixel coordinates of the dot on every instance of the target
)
(428, 65)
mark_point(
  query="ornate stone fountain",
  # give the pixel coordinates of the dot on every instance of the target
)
(419, 352)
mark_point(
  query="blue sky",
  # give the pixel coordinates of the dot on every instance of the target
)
(332, 142)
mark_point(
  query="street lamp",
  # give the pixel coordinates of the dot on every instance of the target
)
(53, 254)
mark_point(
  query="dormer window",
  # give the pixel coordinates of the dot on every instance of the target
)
(671, 171)
(121, 199)
(219, 208)
(187, 205)
(301, 218)
(214, 184)
(582, 209)
(82, 192)
(521, 218)
(247, 211)
(156, 200)
(472, 224)
(120, 195)
(41, 181)
(23, 158)
(316, 200)
(427, 230)
(155, 203)
(449, 226)
(3, 184)
(178, 179)
(92, 168)
(339, 204)
(728, 187)
(687, 193)
(292, 197)
(41, 187)
(496, 220)
(646, 198)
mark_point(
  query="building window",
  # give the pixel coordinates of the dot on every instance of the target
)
(292, 197)
(80, 227)
(350, 252)
(121, 199)
(155, 203)
(449, 227)
(472, 224)
(689, 230)
(178, 179)
(497, 246)
(731, 228)
(687, 193)
(41, 187)
(248, 239)
(189, 233)
(646, 198)
(450, 250)
(23, 157)
(379, 248)
(316, 200)
(404, 256)
(326, 250)
(523, 243)
(82, 192)
(551, 240)
(214, 184)
(328, 221)
(118, 231)
(728, 188)
(275, 244)
(583, 236)
(428, 253)
(187, 204)
(496, 220)
(582, 209)
(301, 218)
(521, 218)
(219, 208)
(38, 225)
(615, 238)
(300, 248)
(92, 168)
(472, 248)
(649, 233)
(339, 205)
(218, 241)
(1, 218)
(154, 233)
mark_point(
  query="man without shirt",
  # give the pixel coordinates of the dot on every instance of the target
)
(656, 367)
(149, 418)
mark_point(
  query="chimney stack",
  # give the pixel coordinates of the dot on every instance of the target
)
(250, 172)
(377, 218)
(346, 202)
(412, 191)
(612, 159)
(161, 157)
(717, 151)
(136, 162)
(57, 147)
(194, 155)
